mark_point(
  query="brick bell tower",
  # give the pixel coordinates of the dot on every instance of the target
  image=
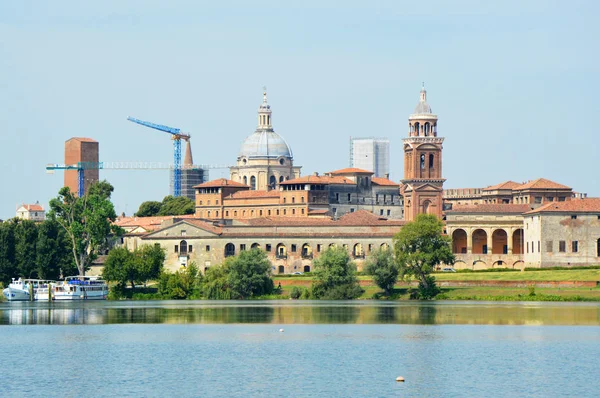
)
(423, 182)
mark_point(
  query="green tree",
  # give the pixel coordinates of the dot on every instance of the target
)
(149, 209)
(176, 206)
(8, 268)
(216, 284)
(335, 276)
(382, 266)
(26, 234)
(53, 255)
(419, 247)
(249, 274)
(182, 284)
(120, 267)
(149, 263)
(87, 221)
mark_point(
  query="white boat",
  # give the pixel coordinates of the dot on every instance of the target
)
(80, 288)
(23, 289)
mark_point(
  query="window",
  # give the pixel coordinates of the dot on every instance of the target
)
(293, 211)
(562, 246)
(284, 212)
(349, 198)
(318, 248)
(334, 210)
(190, 247)
(268, 247)
(269, 212)
(293, 248)
(242, 247)
(352, 210)
(200, 203)
(176, 248)
(260, 212)
(337, 197)
(302, 211)
(550, 198)
(561, 198)
(183, 247)
(539, 244)
(422, 160)
(574, 246)
(235, 213)
(284, 200)
(389, 212)
(538, 199)
(183, 232)
(548, 246)
(226, 213)
(381, 212)
(431, 160)
(207, 248)
(293, 199)
(376, 198)
(574, 217)
(527, 246)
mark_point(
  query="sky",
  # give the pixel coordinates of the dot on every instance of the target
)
(514, 84)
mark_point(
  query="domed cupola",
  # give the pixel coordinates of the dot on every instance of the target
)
(422, 107)
(265, 142)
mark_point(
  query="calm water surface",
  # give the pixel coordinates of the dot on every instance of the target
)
(328, 349)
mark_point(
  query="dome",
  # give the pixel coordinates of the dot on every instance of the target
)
(265, 144)
(422, 108)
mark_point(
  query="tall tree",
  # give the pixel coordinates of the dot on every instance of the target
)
(119, 267)
(176, 206)
(382, 266)
(149, 262)
(53, 257)
(87, 221)
(8, 268)
(149, 209)
(25, 247)
(419, 247)
(335, 276)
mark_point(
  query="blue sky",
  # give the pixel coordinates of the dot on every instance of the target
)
(514, 84)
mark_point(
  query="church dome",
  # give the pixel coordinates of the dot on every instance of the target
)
(265, 144)
(422, 107)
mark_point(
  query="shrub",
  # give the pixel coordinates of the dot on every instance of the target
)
(296, 293)
(335, 276)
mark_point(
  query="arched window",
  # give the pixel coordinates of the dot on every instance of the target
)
(598, 248)
(426, 128)
(431, 159)
(426, 205)
(417, 128)
(245, 180)
(422, 160)
(229, 250)
(183, 247)
(253, 183)
(280, 178)
(272, 182)
(281, 251)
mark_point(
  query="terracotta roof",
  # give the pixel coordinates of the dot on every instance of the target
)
(253, 194)
(358, 218)
(205, 225)
(147, 223)
(490, 208)
(351, 170)
(503, 185)
(318, 180)
(587, 205)
(384, 181)
(221, 182)
(540, 183)
(35, 207)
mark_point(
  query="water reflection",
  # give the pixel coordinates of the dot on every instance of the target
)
(299, 312)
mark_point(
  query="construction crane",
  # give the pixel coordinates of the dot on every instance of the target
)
(82, 166)
(176, 136)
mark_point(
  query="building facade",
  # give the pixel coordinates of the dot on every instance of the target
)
(423, 181)
(81, 150)
(33, 212)
(265, 159)
(371, 154)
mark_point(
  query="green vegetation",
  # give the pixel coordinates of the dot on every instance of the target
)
(34, 250)
(140, 266)
(87, 221)
(170, 206)
(335, 276)
(382, 266)
(419, 247)
(541, 275)
(183, 284)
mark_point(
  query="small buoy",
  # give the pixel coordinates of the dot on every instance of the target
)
(281, 330)
(400, 378)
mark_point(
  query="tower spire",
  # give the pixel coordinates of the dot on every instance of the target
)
(264, 113)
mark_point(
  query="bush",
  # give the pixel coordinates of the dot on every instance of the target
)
(427, 292)
(306, 294)
(296, 293)
(335, 276)
(183, 284)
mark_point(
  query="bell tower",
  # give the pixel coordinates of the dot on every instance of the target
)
(423, 182)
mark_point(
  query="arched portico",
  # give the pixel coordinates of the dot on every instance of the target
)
(459, 241)
(499, 242)
(517, 241)
(281, 251)
(480, 241)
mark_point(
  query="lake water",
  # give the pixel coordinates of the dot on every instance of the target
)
(327, 349)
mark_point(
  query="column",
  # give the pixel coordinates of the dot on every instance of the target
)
(490, 241)
(469, 241)
(509, 241)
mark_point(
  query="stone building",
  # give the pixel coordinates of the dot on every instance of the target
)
(423, 181)
(290, 243)
(265, 159)
(331, 195)
(563, 234)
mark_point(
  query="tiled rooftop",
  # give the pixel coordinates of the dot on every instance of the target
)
(384, 181)
(350, 170)
(587, 205)
(312, 179)
(221, 182)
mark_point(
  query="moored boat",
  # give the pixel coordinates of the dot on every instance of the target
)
(25, 289)
(80, 288)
